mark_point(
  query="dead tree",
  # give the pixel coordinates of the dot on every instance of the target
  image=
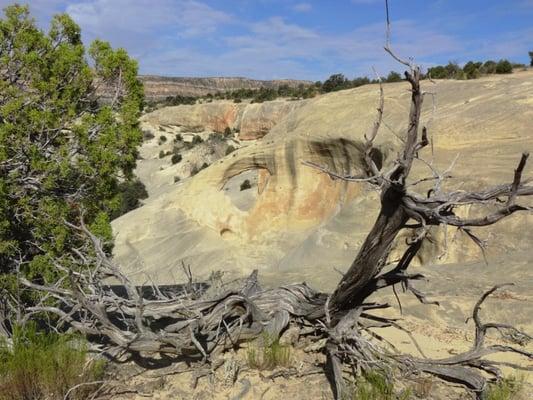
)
(193, 326)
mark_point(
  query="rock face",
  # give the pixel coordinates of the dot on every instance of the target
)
(252, 121)
(159, 87)
(297, 224)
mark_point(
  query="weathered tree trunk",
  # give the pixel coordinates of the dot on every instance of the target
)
(373, 253)
(393, 216)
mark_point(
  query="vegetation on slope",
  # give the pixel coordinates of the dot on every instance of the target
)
(63, 153)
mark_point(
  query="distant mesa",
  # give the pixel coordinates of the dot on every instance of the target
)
(161, 87)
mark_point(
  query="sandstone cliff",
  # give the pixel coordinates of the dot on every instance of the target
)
(252, 121)
(300, 222)
(159, 87)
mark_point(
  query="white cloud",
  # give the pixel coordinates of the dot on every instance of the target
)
(302, 7)
(146, 27)
(142, 16)
(274, 42)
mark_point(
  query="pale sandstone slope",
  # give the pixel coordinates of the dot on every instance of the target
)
(299, 224)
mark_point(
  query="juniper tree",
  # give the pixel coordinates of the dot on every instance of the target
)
(62, 151)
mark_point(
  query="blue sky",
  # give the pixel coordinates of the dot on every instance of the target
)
(268, 39)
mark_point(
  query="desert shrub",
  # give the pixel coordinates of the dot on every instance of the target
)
(394, 77)
(194, 170)
(43, 366)
(214, 137)
(176, 158)
(269, 353)
(178, 138)
(335, 82)
(177, 179)
(162, 154)
(130, 192)
(309, 92)
(375, 385)
(489, 67)
(472, 69)
(506, 389)
(147, 135)
(228, 132)
(162, 139)
(237, 100)
(246, 185)
(230, 149)
(197, 139)
(504, 67)
(437, 72)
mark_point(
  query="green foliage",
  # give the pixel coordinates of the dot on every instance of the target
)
(375, 385)
(265, 94)
(393, 77)
(504, 67)
(130, 194)
(178, 138)
(505, 389)
(268, 354)
(61, 151)
(471, 70)
(178, 100)
(162, 139)
(335, 82)
(449, 71)
(45, 366)
(489, 67)
(245, 185)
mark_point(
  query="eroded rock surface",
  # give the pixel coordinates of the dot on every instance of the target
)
(251, 121)
(297, 224)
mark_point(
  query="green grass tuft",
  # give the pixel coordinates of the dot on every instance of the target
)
(506, 389)
(268, 354)
(44, 366)
(375, 385)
